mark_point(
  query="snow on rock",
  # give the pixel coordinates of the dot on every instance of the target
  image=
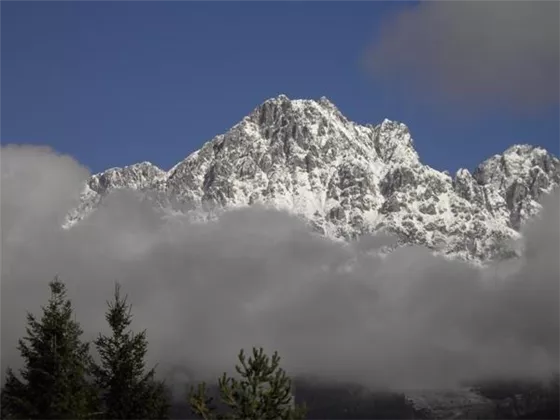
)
(345, 179)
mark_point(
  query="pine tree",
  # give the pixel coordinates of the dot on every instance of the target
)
(53, 382)
(263, 392)
(128, 391)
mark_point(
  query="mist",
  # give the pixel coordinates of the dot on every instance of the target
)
(257, 277)
(478, 54)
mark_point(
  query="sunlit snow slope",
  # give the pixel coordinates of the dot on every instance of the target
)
(345, 179)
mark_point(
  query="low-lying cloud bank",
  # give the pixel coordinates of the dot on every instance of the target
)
(260, 278)
(476, 53)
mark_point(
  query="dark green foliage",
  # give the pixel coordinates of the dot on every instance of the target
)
(262, 392)
(127, 390)
(53, 382)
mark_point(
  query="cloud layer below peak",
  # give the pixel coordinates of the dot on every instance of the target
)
(261, 278)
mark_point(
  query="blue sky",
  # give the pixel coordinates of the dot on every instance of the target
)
(117, 83)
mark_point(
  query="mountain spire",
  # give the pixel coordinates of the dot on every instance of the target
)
(345, 178)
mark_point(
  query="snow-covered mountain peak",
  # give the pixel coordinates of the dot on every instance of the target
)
(281, 110)
(139, 174)
(394, 143)
(519, 163)
(514, 161)
(462, 173)
(514, 181)
(345, 179)
(326, 102)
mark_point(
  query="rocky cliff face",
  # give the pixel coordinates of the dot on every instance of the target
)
(345, 179)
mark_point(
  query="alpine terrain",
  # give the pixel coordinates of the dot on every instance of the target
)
(345, 179)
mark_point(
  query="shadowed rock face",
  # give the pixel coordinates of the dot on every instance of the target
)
(345, 179)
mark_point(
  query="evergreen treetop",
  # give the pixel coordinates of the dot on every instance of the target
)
(53, 383)
(263, 391)
(128, 391)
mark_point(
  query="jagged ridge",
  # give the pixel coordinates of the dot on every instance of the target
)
(345, 179)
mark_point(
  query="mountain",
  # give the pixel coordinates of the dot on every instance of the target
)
(346, 179)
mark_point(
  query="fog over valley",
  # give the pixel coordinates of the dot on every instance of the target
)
(335, 311)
